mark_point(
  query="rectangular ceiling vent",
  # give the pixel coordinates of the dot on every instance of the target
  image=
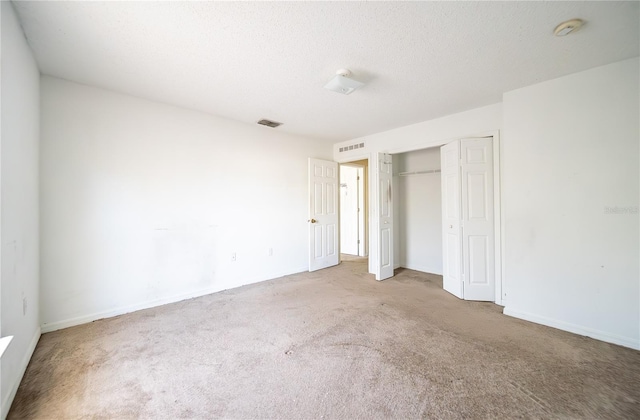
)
(269, 123)
(351, 147)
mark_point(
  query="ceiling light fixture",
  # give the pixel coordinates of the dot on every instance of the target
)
(341, 83)
(565, 28)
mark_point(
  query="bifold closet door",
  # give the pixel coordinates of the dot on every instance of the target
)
(385, 217)
(467, 215)
(451, 239)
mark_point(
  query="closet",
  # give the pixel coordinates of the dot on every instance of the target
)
(444, 215)
(417, 210)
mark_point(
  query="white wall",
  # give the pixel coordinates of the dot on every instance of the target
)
(144, 203)
(19, 199)
(419, 211)
(479, 121)
(570, 150)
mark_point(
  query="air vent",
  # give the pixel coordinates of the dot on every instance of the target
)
(351, 147)
(269, 123)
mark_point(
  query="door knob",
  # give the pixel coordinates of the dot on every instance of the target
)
(312, 220)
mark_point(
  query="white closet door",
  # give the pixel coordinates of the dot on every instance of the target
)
(385, 217)
(451, 238)
(478, 259)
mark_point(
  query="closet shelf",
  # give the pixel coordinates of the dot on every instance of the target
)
(429, 171)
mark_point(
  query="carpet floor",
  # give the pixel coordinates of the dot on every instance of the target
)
(330, 344)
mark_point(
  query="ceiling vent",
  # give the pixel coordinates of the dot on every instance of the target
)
(269, 123)
(351, 147)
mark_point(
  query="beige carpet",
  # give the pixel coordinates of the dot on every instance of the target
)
(332, 344)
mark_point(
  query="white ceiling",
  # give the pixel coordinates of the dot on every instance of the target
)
(253, 60)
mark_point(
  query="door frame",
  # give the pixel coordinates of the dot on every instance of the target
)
(363, 205)
(500, 289)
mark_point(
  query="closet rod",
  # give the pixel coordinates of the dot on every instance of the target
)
(430, 171)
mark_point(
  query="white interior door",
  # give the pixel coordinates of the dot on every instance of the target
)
(478, 259)
(323, 214)
(451, 238)
(349, 223)
(385, 217)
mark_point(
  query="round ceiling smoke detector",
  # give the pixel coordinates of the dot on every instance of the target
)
(565, 28)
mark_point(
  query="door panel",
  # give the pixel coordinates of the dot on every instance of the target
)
(476, 193)
(332, 240)
(478, 259)
(452, 242)
(385, 217)
(386, 240)
(318, 241)
(323, 215)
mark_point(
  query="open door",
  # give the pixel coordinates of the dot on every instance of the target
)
(323, 214)
(384, 270)
(478, 249)
(467, 219)
(451, 240)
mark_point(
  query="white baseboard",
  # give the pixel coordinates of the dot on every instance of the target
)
(84, 319)
(6, 403)
(121, 310)
(574, 328)
(422, 268)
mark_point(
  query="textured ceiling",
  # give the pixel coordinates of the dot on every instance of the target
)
(253, 60)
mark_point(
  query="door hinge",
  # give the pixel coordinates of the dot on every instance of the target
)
(358, 241)
(358, 178)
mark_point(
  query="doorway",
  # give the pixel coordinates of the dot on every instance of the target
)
(354, 211)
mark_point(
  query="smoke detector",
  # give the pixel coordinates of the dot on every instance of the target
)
(342, 83)
(565, 28)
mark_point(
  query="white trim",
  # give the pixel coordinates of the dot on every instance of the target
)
(372, 182)
(438, 143)
(4, 343)
(84, 319)
(574, 328)
(497, 220)
(6, 403)
(343, 160)
(422, 268)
